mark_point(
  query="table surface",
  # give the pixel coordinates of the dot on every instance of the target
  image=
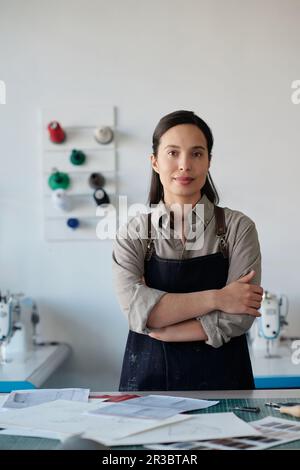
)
(33, 368)
(279, 363)
(228, 399)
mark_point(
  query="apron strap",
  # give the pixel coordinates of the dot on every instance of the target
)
(220, 232)
(150, 243)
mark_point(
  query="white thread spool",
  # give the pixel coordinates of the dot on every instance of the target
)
(104, 135)
(61, 200)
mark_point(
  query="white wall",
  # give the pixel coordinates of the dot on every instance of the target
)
(231, 62)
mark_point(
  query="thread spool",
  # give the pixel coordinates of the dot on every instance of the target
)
(104, 135)
(100, 197)
(61, 200)
(59, 180)
(77, 157)
(96, 180)
(56, 133)
(73, 223)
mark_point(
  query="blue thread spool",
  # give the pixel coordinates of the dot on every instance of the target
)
(73, 223)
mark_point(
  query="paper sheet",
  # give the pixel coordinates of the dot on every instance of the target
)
(154, 407)
(70, 417)
(26, 398)
(198, 427)
(3, 398)
(275, 432)
(135, 411)
(180, 404)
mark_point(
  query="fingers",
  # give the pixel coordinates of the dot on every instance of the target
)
(256, 298)
(254, 290)
(154, 335)
(253, 312)
(247, 278)
(157, 333)
(257, 289)
(254, 287)
(255, 305)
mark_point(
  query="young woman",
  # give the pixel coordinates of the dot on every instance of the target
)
(187, 280)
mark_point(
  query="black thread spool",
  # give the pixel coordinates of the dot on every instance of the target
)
(100, 197)
(96, 180)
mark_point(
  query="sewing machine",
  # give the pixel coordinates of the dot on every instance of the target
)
(19, 318)
(25, 360)
(266, 331)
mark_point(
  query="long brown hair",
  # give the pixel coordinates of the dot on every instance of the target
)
(156, 192)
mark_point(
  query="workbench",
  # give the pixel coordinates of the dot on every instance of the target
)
(228, 399)
(31, 369)
(277, 371)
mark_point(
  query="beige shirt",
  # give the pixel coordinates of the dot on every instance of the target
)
(137, 299)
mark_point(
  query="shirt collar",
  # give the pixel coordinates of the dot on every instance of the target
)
(161, 216)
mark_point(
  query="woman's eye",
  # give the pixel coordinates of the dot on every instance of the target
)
(173, 153)
(197, 154)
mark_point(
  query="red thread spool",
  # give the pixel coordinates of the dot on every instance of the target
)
(56, 133)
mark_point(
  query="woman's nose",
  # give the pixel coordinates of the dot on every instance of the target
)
(184, 163)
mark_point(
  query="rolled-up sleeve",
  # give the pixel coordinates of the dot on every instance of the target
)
(135, 298)
(219, 326)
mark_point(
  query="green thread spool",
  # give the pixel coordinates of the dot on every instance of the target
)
(77, 157)
(59, 180)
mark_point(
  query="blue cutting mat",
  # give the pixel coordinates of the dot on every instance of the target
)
(228, 404)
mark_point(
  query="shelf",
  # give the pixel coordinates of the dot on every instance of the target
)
(78, 123)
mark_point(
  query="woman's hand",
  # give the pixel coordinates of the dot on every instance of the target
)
(241, 297)
(190, 330)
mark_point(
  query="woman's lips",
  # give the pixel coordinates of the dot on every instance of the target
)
(184, 180)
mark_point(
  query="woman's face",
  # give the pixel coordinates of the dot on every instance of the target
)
(182, 163)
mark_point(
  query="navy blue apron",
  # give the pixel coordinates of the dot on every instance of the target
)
(150, 364)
